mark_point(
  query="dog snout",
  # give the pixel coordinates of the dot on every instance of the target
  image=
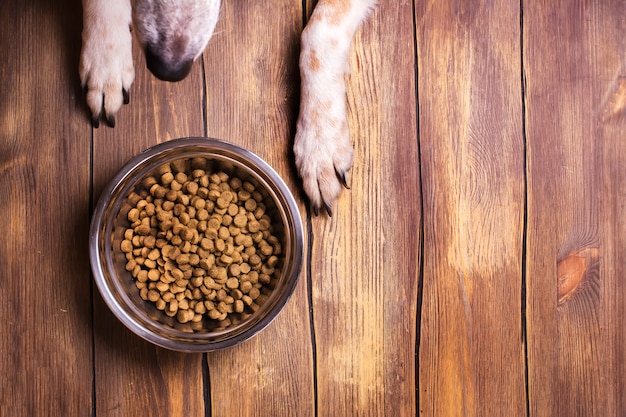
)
(167, 70)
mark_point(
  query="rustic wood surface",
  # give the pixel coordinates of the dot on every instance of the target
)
(474, 268)
(471, 137)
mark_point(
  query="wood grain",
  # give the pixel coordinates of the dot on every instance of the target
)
(573, 62)
(471, 354)
(251, 100)
(133, 376)
(366, 258)
(45, 331)
(474, 268)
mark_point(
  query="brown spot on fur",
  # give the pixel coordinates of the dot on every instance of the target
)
(314, 61)
(340, 8)
(314, 121)
(331, 10)
(345, 130)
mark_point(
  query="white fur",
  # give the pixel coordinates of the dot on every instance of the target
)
(106, 60)
(180, 29)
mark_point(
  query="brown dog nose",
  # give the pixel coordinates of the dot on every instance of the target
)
(164, 70)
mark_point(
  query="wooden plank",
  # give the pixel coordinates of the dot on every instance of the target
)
(612, 229)
(471, 356)
(251, 69)
(366, 258)
(133, 376)
(573, 61)
(45, 334)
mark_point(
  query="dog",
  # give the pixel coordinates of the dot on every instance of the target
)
(174, 33)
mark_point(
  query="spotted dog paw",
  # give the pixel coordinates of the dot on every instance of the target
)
(322, 144)
(323, 149)
(106, 62)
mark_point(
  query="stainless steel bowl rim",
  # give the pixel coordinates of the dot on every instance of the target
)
(208, 145)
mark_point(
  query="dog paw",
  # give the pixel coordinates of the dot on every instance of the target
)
(322, 146)
(106, 62)
(324, 154)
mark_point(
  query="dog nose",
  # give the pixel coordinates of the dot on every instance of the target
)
(164, 70)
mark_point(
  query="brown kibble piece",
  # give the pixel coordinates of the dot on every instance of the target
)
(154, 275)
(126, 246)
(250, 204)
(185, 316)
(240, 220)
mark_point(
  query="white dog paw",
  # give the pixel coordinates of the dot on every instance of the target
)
(106, 61)
(323, 154)
(322, 144)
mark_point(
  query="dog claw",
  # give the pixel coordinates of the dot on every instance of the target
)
(110, 121)
(328, 209)
(95, 120)
(341, 175)
(126, 96)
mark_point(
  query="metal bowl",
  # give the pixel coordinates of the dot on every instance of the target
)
(117, 286)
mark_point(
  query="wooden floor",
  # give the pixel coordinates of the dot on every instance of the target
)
(475, 267)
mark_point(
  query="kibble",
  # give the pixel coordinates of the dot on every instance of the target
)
(200, 245)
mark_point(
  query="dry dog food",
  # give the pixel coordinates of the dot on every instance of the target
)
(200, 245)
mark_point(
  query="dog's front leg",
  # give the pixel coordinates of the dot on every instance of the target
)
(322, 144)
(106, 60)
